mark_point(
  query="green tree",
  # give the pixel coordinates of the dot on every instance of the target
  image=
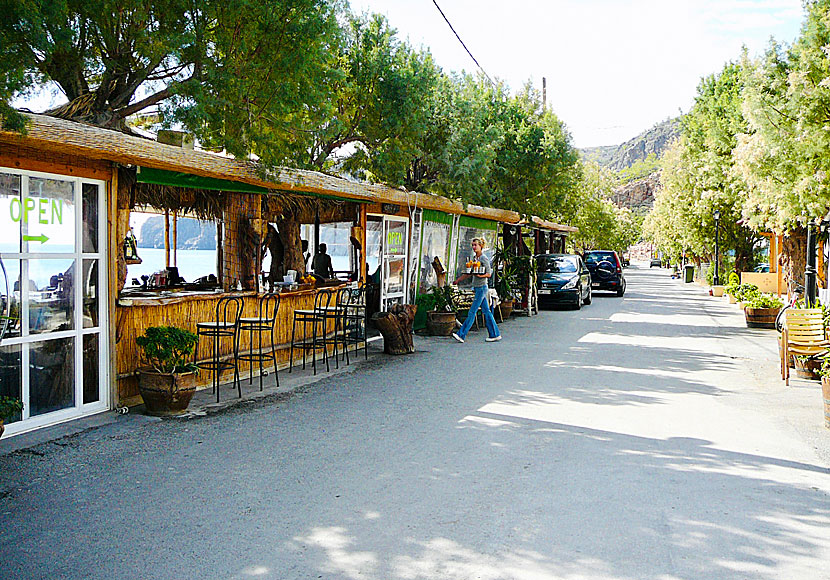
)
(238, 73)
(379, 101)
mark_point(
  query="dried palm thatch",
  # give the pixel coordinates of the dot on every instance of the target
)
(204, 204)
(281, 205)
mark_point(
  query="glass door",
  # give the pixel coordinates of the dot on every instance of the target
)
(52, 356)
(394, 253)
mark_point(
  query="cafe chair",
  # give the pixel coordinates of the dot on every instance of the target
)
(337, 323)
(263, 323)
(354, 321)
(222, 329)
(314, 328)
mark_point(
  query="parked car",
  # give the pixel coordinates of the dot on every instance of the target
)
(563, 279)
(606, 270)
(656, 262)
(764, 268)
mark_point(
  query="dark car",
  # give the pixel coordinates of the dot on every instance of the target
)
(656, 262)
(606, 270)
(563, 279)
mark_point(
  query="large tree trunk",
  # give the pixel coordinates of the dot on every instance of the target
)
(793, 258)
(396, 328)
(289, 228)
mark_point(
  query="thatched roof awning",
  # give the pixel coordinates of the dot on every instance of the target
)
(60, 135)
(537, 222)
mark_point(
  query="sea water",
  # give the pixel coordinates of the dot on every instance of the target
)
(194, 264)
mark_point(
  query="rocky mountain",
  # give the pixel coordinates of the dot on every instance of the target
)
(619, 157)
(191, 234)
(637, 195)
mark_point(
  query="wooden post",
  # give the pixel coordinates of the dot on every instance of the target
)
(113, 284)
(166, 238)
(175, 243)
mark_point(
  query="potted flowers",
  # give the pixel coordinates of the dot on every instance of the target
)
(441, 318)
(761, 311)
(10, 407)
(168, 384)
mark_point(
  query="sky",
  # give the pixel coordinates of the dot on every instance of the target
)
(614, 68)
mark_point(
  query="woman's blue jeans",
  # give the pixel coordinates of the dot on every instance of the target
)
(480, 301)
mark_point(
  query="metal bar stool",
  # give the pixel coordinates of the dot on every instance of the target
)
(336, 314)
(354, 321)
(317, 320)
(224, 326)
(263, 322)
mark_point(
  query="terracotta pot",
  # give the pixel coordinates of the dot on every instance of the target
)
(166, 394)
(760, 317)
(440, 323)
(825, 394)
(506, 308)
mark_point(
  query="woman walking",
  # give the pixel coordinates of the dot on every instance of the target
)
(480, 298)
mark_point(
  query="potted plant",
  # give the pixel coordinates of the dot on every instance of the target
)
(168, 384)
(808, 367)
(504, 288)
(10, 407)
(745, 293)
(760, 312)
(441, 319)
(732, 287)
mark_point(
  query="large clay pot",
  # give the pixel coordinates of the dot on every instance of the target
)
(717, 291)
(166, 394)
(440, 323)
(506, 307)
(760, 317)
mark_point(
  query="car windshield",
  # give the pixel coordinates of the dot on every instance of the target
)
(596, 257)
(557, 265)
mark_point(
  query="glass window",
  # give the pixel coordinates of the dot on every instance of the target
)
(394, 275)
(47, 215)
(91, 365)
(90, 218)
(10, 303)
(10, 212)
(195, 247)
(52, 378)
(558, 265)
(374, 235)
(51, 295)
(435, 244)
(90, 293)
(336, 237)
(395, 238)
(10, 374)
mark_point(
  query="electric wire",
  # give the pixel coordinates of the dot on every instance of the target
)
(481, 68)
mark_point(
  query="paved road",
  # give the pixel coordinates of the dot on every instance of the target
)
(639, 438)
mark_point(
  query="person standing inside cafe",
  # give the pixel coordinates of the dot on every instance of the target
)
(321, 264)
(480, 299)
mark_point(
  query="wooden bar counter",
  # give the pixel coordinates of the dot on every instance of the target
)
(139, 310)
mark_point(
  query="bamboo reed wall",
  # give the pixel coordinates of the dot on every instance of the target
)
(185, 312)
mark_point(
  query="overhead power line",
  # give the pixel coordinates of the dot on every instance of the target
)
(462, 43)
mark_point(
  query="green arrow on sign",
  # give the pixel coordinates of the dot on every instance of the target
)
(41, 238)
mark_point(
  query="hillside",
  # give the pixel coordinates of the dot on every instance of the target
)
(651, 142)
(191, 234)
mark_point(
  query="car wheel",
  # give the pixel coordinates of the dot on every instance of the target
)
(621, 289)
(578, 305)
(589, 297)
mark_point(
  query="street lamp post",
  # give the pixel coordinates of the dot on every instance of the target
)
(716, 279)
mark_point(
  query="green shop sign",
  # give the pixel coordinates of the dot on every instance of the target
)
(41, 210)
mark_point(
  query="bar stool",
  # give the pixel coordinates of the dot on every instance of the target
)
(336, 315)
(317, 319)
(354, 321)
(263, 322)
(224, 326)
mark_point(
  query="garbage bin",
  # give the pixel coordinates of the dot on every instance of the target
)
(690, 273)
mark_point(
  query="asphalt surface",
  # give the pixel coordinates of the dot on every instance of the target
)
(647, 437)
